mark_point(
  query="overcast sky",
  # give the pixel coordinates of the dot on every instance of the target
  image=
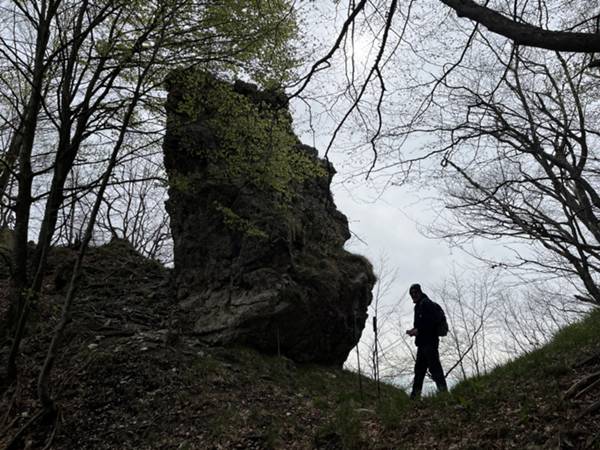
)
(385, 222)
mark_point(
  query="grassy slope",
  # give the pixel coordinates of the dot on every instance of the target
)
(519, 405)
(126, 381)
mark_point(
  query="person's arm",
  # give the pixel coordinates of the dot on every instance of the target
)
(413, 331)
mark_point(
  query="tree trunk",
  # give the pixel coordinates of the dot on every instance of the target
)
(23, 141)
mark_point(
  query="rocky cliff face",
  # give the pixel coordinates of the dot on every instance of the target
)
(258, 241)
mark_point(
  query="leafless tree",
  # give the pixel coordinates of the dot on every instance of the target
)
(472, 313)
(530, 318)
(509, 112)
(376, 337)
(134, 211)
(522, 165)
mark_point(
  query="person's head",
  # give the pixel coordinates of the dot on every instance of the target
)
(415, 292)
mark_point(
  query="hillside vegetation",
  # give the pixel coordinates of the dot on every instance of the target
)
(129, 378)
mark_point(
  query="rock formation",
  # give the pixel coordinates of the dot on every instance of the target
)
(258, 241)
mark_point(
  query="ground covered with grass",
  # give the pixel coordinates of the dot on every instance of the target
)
(129, 378)
(548, 399)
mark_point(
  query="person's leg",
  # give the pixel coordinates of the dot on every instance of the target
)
(435, 367)
(420, 371)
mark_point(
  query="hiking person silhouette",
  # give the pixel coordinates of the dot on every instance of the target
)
(425, 331)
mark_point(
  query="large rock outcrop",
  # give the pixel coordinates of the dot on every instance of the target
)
(258, 241)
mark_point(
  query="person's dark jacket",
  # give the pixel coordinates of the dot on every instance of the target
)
(425, 322)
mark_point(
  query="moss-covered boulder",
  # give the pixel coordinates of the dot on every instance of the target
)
(258, 241)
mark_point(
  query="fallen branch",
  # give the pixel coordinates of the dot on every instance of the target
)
(594, 359)
(12, 445)
(582, 385)
(13, 400)
(588, 388)
(590, 410)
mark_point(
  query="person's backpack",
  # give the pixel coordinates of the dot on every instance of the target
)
(441, 326)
